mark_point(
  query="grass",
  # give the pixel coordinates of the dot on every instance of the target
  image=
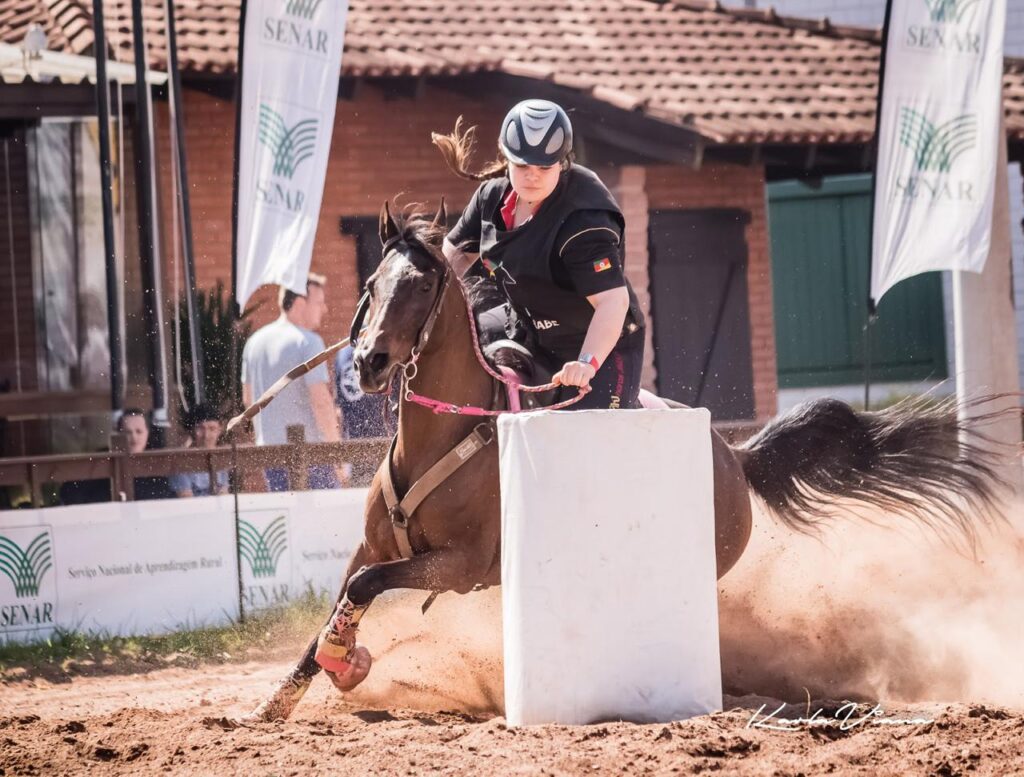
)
(69, 650)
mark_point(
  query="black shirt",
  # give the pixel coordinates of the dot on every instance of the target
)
(570, 249)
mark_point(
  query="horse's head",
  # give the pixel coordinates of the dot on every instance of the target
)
(401, 297)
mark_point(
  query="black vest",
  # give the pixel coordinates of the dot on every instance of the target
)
(521, 259)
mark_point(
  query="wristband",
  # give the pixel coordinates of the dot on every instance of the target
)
(589, 358)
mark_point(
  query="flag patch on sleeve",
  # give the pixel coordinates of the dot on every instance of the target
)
(602, 264)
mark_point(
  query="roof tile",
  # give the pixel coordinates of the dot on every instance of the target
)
(732, 75)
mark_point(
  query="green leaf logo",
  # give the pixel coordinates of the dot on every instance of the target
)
(936, 148)
(948, 10)
(26, 567)
(263, 549)
(290, 146)
(304, 9)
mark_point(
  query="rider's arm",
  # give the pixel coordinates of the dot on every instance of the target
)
(461, 260)
(462, 245)
(588, 246)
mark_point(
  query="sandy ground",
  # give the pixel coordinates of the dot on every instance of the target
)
(880, 617)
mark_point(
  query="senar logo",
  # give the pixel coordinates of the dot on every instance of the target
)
(304, 9)
(263, 549)
(26, 566)
(936, 147)
(948, 10)
(290, 146)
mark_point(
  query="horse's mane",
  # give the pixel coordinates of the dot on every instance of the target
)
(418, 230)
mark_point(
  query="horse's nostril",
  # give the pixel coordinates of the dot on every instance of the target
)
(378, 362)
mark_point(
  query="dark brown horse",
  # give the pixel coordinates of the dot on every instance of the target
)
(907, 460)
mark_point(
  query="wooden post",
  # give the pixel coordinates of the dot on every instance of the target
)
(122, 488)
(298, 461)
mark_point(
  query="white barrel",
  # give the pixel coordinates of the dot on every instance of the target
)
(609, 593)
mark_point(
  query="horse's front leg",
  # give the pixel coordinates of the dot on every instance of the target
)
(437, 570)
(290, 690)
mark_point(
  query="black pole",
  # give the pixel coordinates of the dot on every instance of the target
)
(238, 148)
(184, 199)
(151, 281)
(110, 255)
(872, 310)
(867, 360)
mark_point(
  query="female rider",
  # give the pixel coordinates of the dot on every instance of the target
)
(550, 234)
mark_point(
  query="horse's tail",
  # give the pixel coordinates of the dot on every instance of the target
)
(917, 459)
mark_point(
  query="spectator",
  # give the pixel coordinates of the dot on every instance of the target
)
(132, 424)
(362, 415)
(268, 355)
(205, 432)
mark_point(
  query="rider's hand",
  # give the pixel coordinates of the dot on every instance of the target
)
(575, 374)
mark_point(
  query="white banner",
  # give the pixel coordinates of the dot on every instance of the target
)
(130, 568)
(290, 70)
(938, 138)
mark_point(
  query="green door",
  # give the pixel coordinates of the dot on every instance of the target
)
(820, 240)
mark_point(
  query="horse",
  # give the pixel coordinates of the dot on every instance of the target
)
(419, 323)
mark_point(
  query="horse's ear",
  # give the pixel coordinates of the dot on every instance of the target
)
(441, 219)
(387, 229)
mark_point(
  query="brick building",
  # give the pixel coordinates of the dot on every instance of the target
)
(685, 109)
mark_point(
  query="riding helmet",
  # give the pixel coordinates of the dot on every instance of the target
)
(536, 132)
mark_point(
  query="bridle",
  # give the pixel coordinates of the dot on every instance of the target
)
(409, 368)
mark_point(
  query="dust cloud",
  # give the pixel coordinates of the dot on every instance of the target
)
(863, 612)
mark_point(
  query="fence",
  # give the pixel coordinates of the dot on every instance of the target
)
(121, 468)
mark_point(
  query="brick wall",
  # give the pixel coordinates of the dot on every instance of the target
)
(381, 147)
(733, 186)
(628, 184)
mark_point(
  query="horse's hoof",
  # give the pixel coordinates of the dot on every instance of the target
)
(358, 668)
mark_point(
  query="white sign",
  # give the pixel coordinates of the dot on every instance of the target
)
(938, 138)
(290, 70)
(129, 568)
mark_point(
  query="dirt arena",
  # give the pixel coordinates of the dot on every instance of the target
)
(879, 617)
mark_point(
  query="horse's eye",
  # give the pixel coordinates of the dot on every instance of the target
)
(426, 287)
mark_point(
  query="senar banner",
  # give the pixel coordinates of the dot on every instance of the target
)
(120, 568)
(290, 67)
(939, 131)
(132, 568)
(294, 543)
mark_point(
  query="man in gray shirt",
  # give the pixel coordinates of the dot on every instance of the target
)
(268, 355)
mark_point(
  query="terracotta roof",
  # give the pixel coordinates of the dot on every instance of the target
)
(733, 75)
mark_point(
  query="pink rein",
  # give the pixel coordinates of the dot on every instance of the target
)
(510, 382)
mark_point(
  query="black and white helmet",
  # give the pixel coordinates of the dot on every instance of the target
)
(536, 132)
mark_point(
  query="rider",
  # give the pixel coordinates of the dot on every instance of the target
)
(549, 233)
